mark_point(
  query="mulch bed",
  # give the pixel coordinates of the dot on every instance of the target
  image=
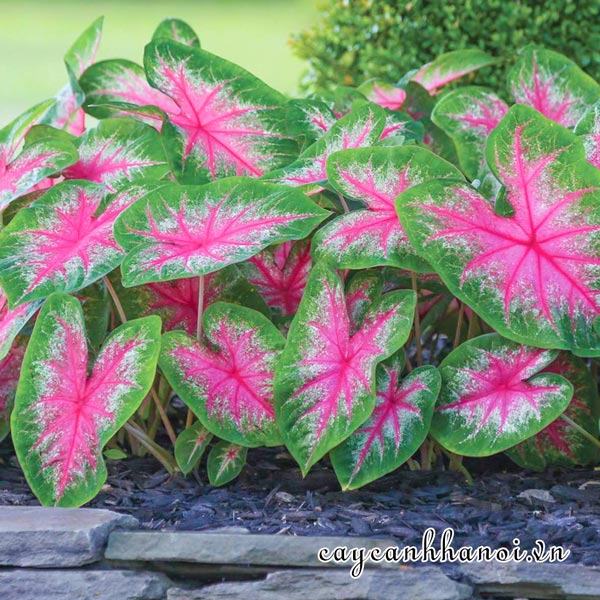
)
(271, 497)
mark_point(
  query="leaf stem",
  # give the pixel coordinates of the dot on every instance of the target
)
(190, 415)
(163, 416)
(417, 323)
(584, 432)
(461, 314)
(115, 299)
(343, 203)
(165, 459)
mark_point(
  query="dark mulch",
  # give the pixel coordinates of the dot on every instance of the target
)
(271, 497)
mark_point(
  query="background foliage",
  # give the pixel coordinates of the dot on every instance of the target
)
(355, 40)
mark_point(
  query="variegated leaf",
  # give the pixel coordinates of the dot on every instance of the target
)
(308, 120)
(62, 416)
(552, 84)
(12, 321)
(190, 446)
(324, 381)
(176, 302)
(532, 275)
(559, 443)
(384, 94)
(589, 130)
(225, 462)
(225, 122)
(449, 67)
(66, 113)
(361, 127)
(396, 428)
(228, 381)
(372, 236)
(119, 152)
(494, 396)
(178, 31)
(10, 368)
(115, 88)
(362, 289)
(468, 115)
(181, 231)
(25, 161)
(63, 242)
(279, 274)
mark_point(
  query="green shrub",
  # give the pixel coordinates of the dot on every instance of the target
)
(355, 40)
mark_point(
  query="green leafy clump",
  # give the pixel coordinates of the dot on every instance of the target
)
(356, 40)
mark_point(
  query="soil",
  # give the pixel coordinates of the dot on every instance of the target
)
(271, 497)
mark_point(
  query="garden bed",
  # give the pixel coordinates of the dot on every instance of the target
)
(561, 507)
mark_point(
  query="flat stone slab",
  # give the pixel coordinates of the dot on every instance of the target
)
(230, 549)
(424, 583)
(68, 584)
(546, 581)
(33, 536)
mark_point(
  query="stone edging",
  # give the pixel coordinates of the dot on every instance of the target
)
(83, 554)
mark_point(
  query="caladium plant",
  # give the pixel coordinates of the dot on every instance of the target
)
(118, 152)
(24, 163)
(373, 236)
(329, 324)
(396, 428)
(228, 380)
(324, 380)
(553, 85)
(62, 242)
(181, 231)
(532, 274)
(561, 442)
(494, 396)
(63, 414)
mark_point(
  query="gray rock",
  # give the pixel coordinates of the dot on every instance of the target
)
(32, 536)
(425, 583)
(536, 580)
(228, 548)
(55, 584)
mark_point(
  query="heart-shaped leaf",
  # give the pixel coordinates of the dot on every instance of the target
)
(12, 320)
(176, 302)
(225, 462)
(66, 113)
(494, 396)
(589, 130)
(63, 242)
(63, 417)
(560, 443)
(383, 94)
(25, 162)
(181, 231)
(553, 85)
(449, 67)
(361, 127)
(396, 428)
(279, 274)
(226, 121)
(373, 236)
(533, 276)
(228, 381)
(10, 368)
(190, 446)
(178, 31)
(324, 381)
(468, 115)
(119, 152)
(119, 87)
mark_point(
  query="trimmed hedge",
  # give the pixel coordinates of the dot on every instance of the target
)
(355, 40)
